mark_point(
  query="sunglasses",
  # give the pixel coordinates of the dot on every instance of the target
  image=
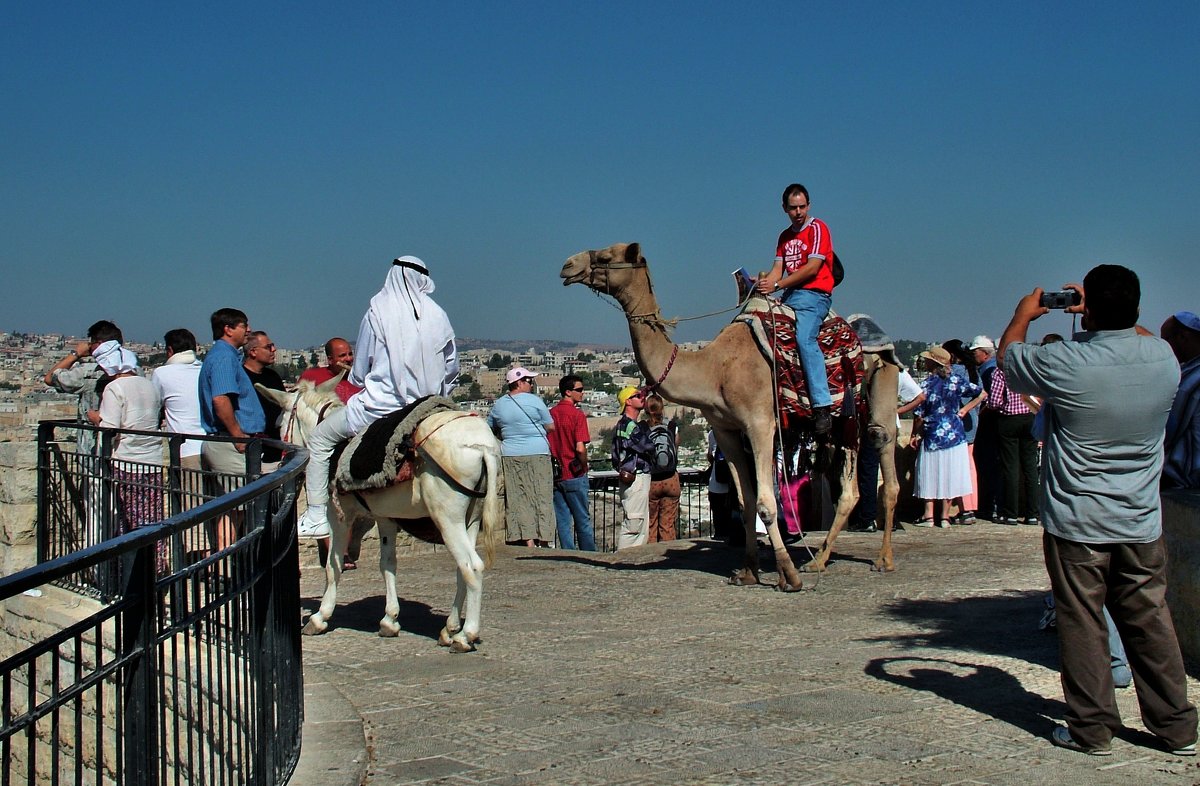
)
(576, 390)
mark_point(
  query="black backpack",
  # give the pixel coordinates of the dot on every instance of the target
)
(665, 457)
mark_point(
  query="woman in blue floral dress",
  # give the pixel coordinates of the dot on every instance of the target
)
(943, 465)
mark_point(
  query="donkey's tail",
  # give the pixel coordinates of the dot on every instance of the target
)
(493, 505)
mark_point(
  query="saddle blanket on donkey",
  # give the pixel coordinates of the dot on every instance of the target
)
(383, 453)
(773, 326)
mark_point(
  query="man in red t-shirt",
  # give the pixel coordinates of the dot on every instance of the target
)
(339, 356)
(803, 270)
(568, 444)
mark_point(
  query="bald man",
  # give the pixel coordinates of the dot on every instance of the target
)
(1182, 466)
(339, 357)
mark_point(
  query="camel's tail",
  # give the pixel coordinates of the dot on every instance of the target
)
(493, 506)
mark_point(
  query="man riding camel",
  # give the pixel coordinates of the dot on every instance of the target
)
(405, 351)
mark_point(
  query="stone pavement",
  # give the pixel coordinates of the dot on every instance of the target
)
(647, 668)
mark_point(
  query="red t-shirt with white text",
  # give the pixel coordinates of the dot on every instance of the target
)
(813, 240)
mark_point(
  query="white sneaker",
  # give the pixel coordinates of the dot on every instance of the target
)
(313, 524)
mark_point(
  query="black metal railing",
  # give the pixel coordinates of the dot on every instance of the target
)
(177, 658)
(604, 495)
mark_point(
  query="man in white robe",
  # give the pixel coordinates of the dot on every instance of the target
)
(405, 350)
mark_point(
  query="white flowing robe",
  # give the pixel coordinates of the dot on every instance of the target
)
(405, 348)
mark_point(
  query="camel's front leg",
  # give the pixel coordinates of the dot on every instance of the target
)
(845, 505)
(319, 622)
(390, 624)
(730, 443)
(764, 461)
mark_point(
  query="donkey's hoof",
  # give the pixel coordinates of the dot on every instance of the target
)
(882, 567)
(445, 638)
(388, 628)
(460, 644)
(315, 626)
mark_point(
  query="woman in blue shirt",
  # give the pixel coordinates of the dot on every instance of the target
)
(943, 465)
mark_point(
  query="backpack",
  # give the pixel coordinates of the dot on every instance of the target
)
(838, 271)
(663, 436)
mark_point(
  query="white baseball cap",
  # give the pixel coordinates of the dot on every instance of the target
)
(982, 342)
(518, 373)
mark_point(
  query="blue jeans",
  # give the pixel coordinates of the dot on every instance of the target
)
(811, 309)
(571, 501)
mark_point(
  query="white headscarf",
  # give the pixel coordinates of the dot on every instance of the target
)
(114, 358)
(402, 347)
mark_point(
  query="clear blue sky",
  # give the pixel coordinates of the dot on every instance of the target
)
(160, 160)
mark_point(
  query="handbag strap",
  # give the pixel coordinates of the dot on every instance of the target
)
(540, 427)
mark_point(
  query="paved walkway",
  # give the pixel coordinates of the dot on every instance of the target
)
(646, 668)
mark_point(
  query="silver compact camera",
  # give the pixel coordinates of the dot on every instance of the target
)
(1062, 299)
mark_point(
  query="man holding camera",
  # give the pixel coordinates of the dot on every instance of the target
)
(1109, 393)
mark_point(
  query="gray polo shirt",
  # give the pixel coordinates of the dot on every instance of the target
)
(1109, 393)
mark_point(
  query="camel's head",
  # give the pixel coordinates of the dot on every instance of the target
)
(303, 408)
(608, 270)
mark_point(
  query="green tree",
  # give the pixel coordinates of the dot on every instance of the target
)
(313, 360)
(499, 361)
(631, 370)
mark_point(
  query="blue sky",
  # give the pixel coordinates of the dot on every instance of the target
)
(158, 161)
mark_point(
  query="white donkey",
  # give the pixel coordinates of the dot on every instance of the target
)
(457, 456)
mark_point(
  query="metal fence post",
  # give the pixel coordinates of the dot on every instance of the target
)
(45, 434)
(139, 695)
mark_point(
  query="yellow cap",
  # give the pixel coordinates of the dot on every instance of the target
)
(624, 395)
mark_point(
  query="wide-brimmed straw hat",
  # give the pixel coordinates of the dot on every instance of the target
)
(937, 355)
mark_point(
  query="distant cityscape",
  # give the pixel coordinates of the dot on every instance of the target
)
(25, 399)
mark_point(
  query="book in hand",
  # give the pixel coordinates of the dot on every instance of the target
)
(745, 284)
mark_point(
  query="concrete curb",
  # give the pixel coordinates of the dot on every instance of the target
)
(334, 749)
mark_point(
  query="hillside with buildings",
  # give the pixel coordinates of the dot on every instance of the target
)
(25, 399)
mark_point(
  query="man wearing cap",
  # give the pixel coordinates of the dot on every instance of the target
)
(521, 420)
(1182, 445)
(632, 449)
(406, 350)
(1110, 391)
(987, 461)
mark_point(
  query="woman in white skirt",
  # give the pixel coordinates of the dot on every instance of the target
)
(943, 465)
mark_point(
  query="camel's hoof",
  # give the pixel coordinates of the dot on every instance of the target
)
(388, 628)
(880, 567)
(784, 586)
(315, 626)
(743, 578)
(813, 567)
(462, 645)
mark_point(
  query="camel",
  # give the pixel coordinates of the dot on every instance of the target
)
(731, 383)
(457, 453)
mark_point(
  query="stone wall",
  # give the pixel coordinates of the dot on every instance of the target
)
(1181, 531)
(18, 506)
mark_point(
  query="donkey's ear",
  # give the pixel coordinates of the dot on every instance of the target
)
(633, 253)
(280, 397)
(329, 386)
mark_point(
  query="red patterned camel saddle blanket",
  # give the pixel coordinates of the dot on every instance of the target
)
(773, 326)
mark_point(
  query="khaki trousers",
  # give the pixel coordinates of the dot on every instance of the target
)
(635, 504)
(1131, 580)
